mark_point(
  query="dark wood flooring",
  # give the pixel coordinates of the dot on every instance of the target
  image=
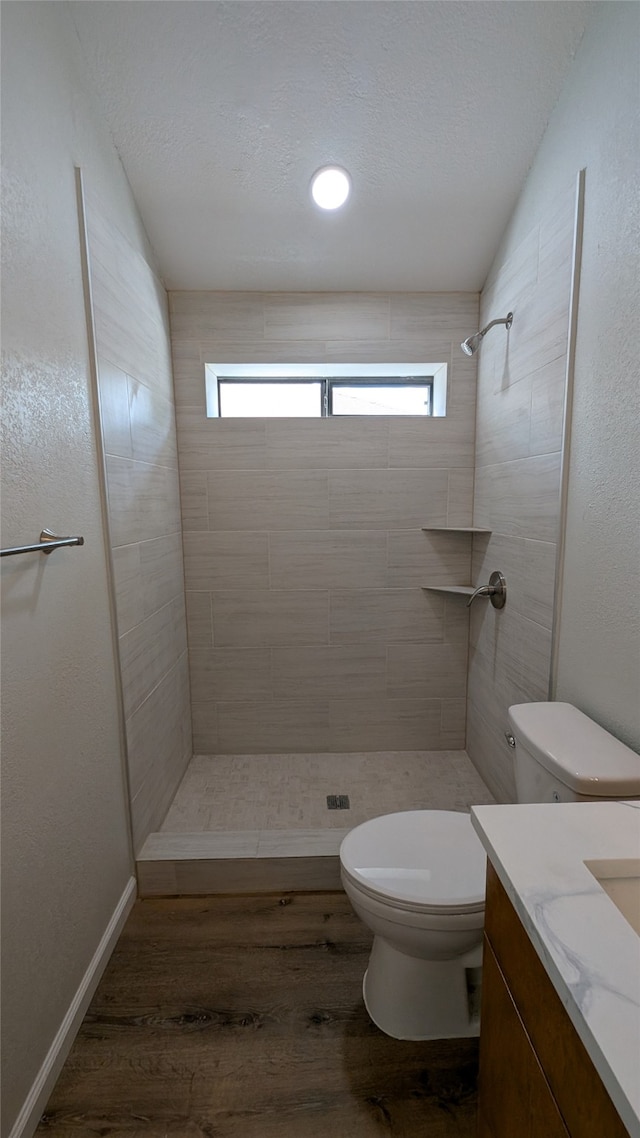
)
(242, 1017)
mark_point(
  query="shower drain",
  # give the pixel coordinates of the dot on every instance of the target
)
(337, 801)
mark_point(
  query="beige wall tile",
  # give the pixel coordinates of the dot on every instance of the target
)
(188, 374)
(384, 616)
(149, 651)
(529, 569)
(226, 561)
(231, 350)
(438, 442)
(199, 622)
(346, 671)
(456, 621)
(123, 503)
(159, 749)
(387, 499)
(204, 315)
(548, 387)
(425, 349)
(114, 410)
(426, 671)
(322, 491)
(326, 316)
(505, 642)
(269, 500)
(157, 494)
(193, 500)
(316, 559)
(416, 558)
(276, 725)
(492, 756)
(153, 426)
(520, 498)
(245, 618)
(230, 673)
(161, 571)
(503, 424)
(204, 718)
(460, 498)
(319, 444)
(520, 408)
(220, 444)
(129, 305)
(515, 279)
(128, 586)
(155, 731)
(462, 387)
(137, 422)
(254, 875)
(453, 722)
(380, 724)
(156, 878)
(446, 314)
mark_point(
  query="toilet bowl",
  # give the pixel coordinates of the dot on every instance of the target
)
(417, 879)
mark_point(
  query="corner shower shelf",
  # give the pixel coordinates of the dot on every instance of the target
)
(451, 590)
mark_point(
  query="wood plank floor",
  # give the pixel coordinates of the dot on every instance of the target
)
(242, 1017)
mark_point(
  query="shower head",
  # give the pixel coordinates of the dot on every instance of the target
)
(472, 343)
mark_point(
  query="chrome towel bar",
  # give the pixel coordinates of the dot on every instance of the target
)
(48, 542)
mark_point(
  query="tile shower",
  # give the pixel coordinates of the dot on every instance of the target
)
(318, 665)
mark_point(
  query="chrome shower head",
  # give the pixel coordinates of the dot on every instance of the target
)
(472, 343)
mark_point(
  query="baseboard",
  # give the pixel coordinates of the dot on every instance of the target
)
(38, 1096)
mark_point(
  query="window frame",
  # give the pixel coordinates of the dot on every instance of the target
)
(326, 385)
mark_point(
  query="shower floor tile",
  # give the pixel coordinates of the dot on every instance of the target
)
(289, 792)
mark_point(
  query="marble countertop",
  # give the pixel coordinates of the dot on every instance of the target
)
(590, 951)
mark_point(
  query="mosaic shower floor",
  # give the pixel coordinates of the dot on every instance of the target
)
(289, 792)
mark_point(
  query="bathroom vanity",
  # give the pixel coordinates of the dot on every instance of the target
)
(560, 1031)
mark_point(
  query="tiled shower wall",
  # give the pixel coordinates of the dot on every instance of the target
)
(139, 437)
(521, 395)
(304, 553)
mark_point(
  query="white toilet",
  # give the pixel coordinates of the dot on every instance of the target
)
(417, 878)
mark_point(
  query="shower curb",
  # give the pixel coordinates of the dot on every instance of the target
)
(173, 864)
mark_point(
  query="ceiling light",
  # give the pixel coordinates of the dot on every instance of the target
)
(330, 187)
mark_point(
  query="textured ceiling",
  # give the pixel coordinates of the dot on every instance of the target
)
(221, 112)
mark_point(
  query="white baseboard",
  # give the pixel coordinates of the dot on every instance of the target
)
(38, 1096)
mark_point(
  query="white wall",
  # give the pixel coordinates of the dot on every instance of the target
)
(66, 860)
(595, 125)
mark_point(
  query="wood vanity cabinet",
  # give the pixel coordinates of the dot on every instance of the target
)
(536, 1079)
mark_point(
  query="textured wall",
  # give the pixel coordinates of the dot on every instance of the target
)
(139, 437)
(66, 859)
(521, 390)
(304, 553)
(598, 664)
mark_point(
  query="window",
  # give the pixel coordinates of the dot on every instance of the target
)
(311, 398)
(324, 390)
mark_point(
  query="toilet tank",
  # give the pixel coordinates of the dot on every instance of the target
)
(563, 756)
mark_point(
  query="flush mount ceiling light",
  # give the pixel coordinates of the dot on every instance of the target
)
(330, 187)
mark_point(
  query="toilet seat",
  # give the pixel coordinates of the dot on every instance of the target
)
(422, 861)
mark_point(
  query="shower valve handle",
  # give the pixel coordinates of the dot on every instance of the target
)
(496, 590)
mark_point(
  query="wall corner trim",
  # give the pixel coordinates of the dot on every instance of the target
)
(35, 1102)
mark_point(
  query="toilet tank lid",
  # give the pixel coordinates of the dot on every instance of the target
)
(577, 751)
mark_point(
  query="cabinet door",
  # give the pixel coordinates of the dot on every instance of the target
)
(514, 1096)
